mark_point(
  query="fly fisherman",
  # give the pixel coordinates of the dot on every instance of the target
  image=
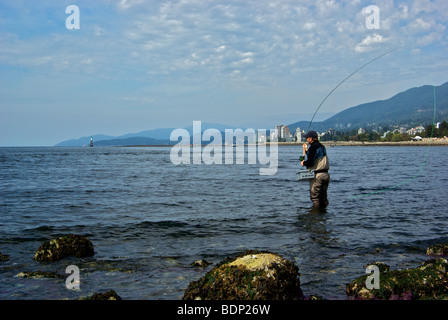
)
(317, 160)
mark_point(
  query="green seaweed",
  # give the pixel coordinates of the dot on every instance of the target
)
(428, 281)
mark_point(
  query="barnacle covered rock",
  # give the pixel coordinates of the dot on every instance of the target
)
(440, 249)
(66, 246)
(254, 275)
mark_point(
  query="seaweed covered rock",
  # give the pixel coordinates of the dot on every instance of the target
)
(66, 246)
(438, 250)
(254, 275)
(428, 281)
(4, 257)
(40, 274)
(201, 263)
(382, 267)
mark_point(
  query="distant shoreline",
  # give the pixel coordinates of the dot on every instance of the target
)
(434, 142)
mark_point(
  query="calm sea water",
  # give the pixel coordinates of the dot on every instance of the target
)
(149, 219)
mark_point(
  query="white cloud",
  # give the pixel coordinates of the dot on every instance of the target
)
(247, 54)
(126, 4)
(220, 48)
(309, 25)
(368, 43)
(344, 26)
(420, 25)
(183, 35)
(326, 7)
(429, 39)
(98, 31)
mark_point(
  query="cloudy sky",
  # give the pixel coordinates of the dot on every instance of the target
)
(136, 65)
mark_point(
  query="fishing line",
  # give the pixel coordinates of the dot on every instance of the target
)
(344, 81)
(432, 131)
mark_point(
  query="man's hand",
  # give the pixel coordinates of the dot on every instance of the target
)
(302, 162)
(305, 147)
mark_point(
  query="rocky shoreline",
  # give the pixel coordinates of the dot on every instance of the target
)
(258, 275)
(265, 275)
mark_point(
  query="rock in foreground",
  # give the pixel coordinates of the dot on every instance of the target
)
(40, 274)
(4, 257)
(254, 275)
(438, 250)
(66, 246)
(429, 281)
(201, 263)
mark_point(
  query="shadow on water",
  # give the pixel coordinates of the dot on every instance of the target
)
(312, 226)
(321, 254)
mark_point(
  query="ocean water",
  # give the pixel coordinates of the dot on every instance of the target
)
(149, 219)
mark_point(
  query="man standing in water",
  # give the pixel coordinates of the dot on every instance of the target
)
(317, 160)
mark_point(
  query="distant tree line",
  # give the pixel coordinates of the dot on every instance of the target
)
(371, 135)
(432, 131)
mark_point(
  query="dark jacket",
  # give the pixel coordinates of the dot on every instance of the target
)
(316, 157)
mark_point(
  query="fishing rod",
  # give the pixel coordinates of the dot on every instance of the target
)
(303, 175)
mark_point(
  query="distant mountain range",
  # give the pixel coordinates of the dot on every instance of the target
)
(409, 108)
(148, 137)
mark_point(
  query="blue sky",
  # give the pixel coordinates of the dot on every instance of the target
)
(136, 65)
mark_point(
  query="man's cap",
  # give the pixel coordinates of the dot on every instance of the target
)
(311, 134)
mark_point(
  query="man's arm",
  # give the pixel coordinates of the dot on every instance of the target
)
(305, 148)
(311, 154)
